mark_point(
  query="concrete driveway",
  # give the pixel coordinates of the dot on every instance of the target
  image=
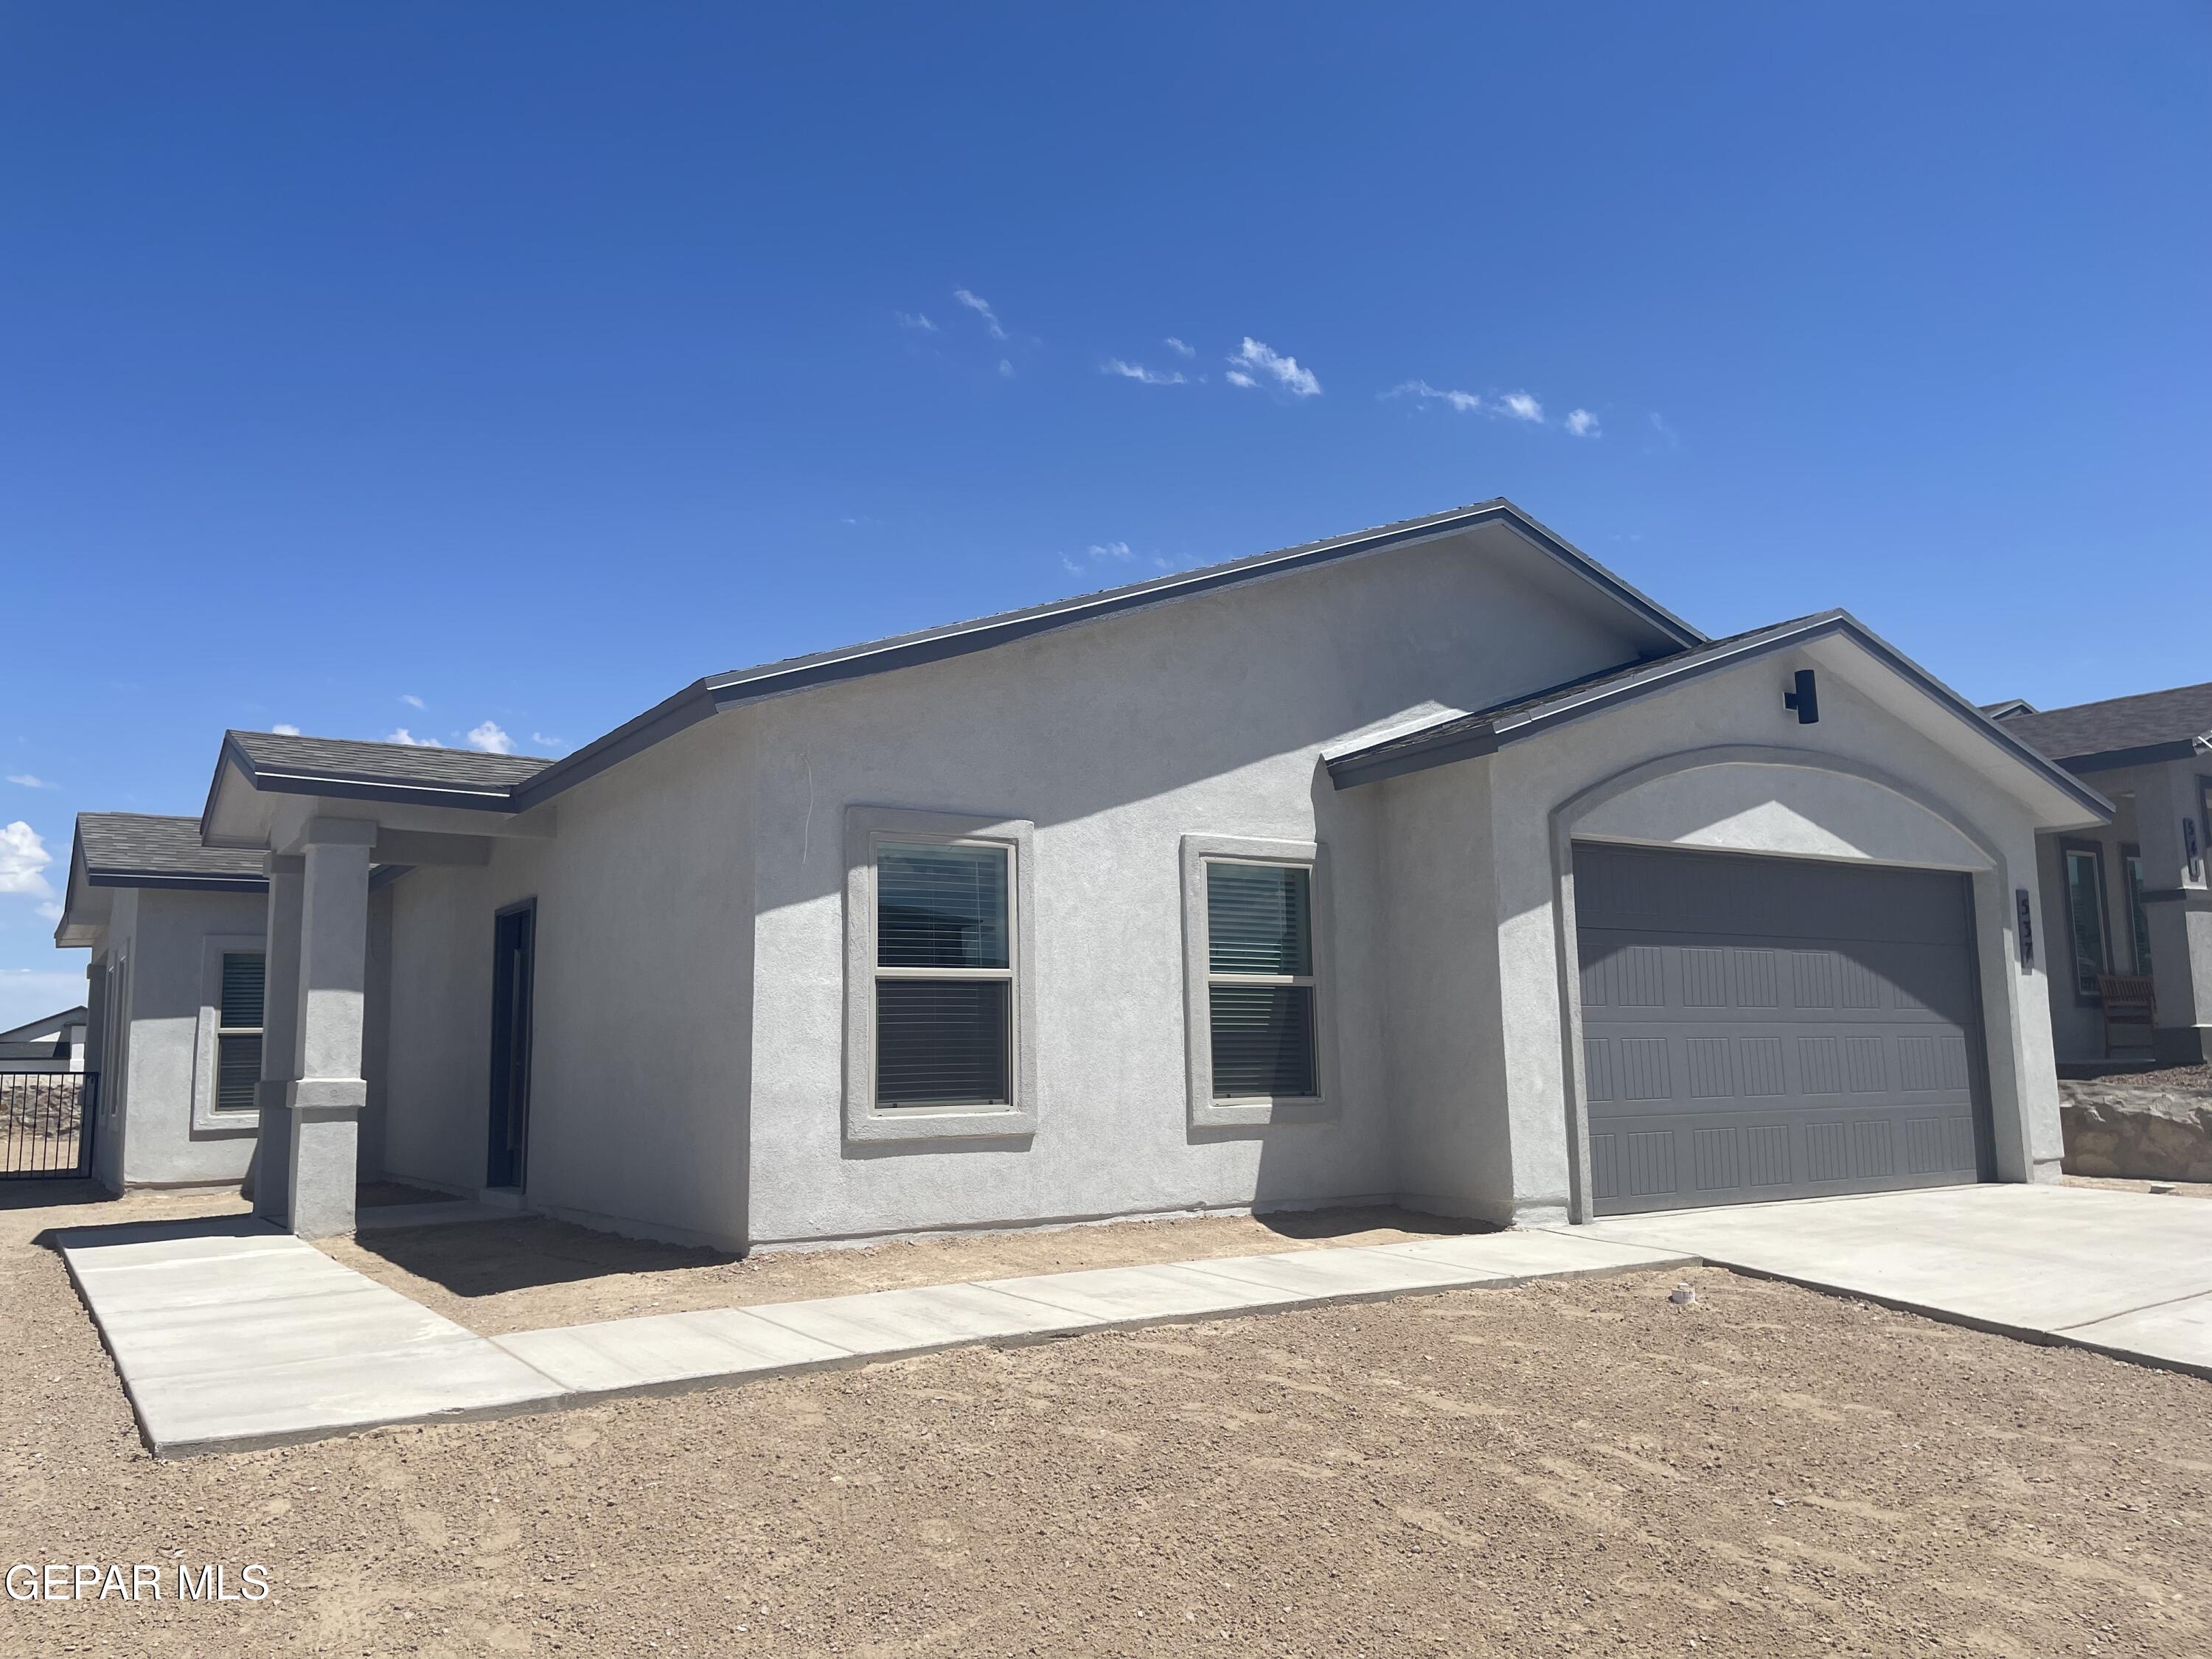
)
(2125, 1273)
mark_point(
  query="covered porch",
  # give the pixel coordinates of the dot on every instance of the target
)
(2130, 902)
(336, 821)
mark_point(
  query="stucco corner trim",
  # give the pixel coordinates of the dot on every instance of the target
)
(866, 827)
(1206, 1112)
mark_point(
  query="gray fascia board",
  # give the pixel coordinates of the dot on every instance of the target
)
(356, 788)
(694, 703)
(1352, 770)
(2144, 754)
(937, 645)
(176, 879)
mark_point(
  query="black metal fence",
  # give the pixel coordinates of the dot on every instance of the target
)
(45, 1124)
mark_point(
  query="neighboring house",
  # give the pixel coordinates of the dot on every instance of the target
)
(2131, 897)
(176, 932)
(55, 1044)
(1432, 863)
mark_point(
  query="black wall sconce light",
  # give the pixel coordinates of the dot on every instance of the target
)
(1806, 699)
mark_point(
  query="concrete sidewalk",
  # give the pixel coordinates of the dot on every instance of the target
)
(231, 1335)
(2125, 1273)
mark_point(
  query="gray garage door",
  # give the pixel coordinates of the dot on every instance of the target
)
(1769, 1027)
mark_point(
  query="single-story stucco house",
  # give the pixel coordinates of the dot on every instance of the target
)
(177, 932)
(1432, 864)
(2130, 896)
(52, 1042)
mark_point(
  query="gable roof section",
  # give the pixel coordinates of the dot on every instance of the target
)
(1486, 731)
(716, 692)
(2121, 731)
(50, 1026)
(137, 849)
(398, 772)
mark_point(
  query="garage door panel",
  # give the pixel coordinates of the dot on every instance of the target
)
(1719, 1067)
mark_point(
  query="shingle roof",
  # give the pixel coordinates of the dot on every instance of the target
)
(123, 849)
(350, 758)
(2122, 731)
(1462, 736)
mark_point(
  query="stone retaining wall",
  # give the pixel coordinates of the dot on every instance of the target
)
(2120, 1129)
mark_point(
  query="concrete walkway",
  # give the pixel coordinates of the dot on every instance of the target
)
(2125, 1273)
(231, 1335)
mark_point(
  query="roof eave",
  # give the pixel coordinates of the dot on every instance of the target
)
(2147, 754)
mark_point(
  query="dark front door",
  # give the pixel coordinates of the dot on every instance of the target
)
(1758, 1028)
(514, 940)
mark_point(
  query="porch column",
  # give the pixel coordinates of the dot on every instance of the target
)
(326, 1092)
(280, 1025)
(2177, 904)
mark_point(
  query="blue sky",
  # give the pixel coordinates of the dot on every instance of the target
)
(502, 368)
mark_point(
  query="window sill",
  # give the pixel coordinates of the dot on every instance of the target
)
(924, 1123)
(1260, 1114)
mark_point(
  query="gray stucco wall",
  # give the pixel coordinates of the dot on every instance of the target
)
(1117, 740)
(642, 1001)
(162, 1043)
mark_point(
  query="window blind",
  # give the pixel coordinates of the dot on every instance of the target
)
(940, 906)
(1263, 1040)
(1258, 919)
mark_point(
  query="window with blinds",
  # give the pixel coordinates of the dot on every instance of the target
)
(2085, 916)
(1260, 980)
(237, 1031)
(944, 974)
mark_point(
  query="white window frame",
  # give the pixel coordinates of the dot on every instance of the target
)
(1256, 1111)
(206, 1047)
(867, 829)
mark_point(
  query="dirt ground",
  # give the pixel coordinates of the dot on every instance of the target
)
(1568, 1468)
(529, 1272)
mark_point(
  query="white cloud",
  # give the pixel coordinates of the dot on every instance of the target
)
(1465, 401)
(23, 861)
(544, 742)
(1071, 566)
(1138, 372)
(407, 738)
(412, 701)
(49, 909)
(1006, 368)
(1665, 434)
(1523, 407)
(1582, 424)
(1110, 551)
(919, 321)
(488, 738)
(1256, 357)
(981, 307)
(1238, 377)
(31, 780)
(1180, 348)
(285, 729)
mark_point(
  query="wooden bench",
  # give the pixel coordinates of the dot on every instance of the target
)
(2130, 1005)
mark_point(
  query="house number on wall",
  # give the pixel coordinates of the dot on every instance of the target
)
(2027, 930)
